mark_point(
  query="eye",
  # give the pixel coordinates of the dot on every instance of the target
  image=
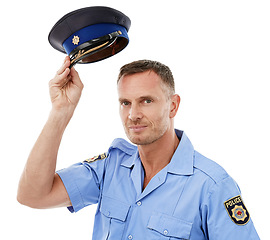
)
(147, 101)
(125, 103)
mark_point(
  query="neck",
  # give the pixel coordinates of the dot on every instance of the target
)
(157, 155)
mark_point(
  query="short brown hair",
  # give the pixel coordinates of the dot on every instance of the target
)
(160, 69)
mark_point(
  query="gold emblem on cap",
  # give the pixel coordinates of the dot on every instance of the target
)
(76, 40)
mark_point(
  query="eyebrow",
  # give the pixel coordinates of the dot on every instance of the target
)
(140, 98)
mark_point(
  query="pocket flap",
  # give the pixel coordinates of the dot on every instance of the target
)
(170, 226)
(113, 208)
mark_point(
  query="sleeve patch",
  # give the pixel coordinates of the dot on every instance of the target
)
(96, 158)
(237, 210)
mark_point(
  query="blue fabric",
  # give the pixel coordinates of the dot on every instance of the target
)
(91, 32)
(185, 200)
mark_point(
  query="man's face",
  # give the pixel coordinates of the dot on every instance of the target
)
(144, 107)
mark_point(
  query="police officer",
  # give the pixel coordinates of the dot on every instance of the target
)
(159, 187)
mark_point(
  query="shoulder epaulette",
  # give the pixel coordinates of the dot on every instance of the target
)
(124, 146)
(209, 167)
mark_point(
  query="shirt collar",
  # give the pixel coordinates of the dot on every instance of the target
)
(181, 162)
(130, 162)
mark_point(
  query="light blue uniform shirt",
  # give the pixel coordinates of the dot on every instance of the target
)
(191, 198)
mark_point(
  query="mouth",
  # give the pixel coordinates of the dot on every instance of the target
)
(137, 128)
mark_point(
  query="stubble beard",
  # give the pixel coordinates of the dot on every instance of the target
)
(149, 136)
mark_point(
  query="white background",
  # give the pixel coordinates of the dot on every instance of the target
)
(219, 53)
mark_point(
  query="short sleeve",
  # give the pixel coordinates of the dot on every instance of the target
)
(82, 182)
(225, 214)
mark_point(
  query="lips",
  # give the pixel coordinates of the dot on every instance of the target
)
(137, 128)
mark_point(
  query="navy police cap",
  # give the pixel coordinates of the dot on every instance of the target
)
(90, 34)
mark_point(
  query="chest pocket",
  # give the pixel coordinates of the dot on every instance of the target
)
(114, 216)
(164, 227)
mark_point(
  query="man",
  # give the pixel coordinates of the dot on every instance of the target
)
(159, 189)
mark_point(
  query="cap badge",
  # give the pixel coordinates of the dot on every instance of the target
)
(76, 40)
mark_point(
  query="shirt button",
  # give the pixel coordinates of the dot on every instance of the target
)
(165, 232)
(139, 203)
(130, 237)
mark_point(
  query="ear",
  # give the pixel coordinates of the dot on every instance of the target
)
(175, 102)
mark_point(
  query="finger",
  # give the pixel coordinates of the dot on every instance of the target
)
(61, 79)
(64, 66)
(76, 78)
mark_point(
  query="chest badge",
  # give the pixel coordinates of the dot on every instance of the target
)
(237, 210)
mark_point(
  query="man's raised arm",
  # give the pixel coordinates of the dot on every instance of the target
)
(40, 186)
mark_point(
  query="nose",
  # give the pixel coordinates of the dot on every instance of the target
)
(135, 113)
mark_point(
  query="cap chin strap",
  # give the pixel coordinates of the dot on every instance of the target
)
(91, 47)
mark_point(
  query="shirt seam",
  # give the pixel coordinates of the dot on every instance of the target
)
(209, 195)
